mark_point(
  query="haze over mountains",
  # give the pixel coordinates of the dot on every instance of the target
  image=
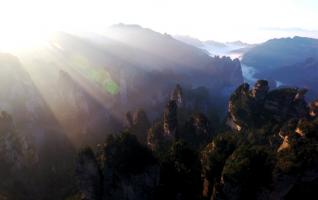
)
(77, 89)
(133, 59)
(283, 61)
(188, 100)
(233, 49)
(291, 61)
(105, 74)
(176, 98)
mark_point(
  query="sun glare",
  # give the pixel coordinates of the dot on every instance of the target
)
(24, 24)
(20, 40)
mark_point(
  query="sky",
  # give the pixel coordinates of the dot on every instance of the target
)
(221, 20)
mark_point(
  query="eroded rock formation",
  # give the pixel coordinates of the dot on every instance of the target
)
(170, 119)
(125, 170)
(249, 108)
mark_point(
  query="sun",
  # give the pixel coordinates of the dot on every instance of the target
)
(20, 40)
(23, 24)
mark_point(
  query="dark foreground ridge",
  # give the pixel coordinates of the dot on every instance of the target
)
(266, 149)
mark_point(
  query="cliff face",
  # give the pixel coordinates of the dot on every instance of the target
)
(230, 68)
(276, 143)
(272, 156)
(177, 96)
(18, 95)
(139, 186)
(197, 130)
(29, 133)
(164, 132)
(313, 107)
(170, 121)
(138, 124)
(128, 171)
(250, 108)
(16, 149)
(184, 117)
(29, 165)
(89, 175)
(81, 113)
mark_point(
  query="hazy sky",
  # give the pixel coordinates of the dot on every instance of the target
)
(222, 20)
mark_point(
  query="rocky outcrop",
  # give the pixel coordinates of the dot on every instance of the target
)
(155, 137)
(129, 170)
(296, 172)
(15, 149)
(278, 144)
(134, 181)
(184, 117)
(307, 128)
(139, 186)
(19, 160)
(200, 123)
(313, 108)
(260, 90)
(170, 119)
(177, 96)
(285, 145)
(240, 112)
(230, 68)
(138, 124)
(250, 108)
(89, 175)
(197, 131)
(285, 104)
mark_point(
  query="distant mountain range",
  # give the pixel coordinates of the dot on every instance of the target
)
(126, 68)
(283, 61)
(217, 48)
(290, 61)
(281, 52)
